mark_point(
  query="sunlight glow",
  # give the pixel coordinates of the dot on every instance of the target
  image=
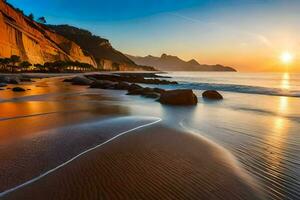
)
(285, 81)
(286, 57)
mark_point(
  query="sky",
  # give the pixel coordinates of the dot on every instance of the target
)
(250, 35)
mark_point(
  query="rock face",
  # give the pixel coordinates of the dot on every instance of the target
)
(173, 63)
(34, 42)
(38, 43)
(178, 97)
(212, 94)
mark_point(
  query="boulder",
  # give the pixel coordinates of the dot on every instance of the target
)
(134, 87)
(140, 91)
(25, 79)
(151, 95)
(18, 89)
(80, 80)
(136, 92)
(178, 97)
(212, 95)
(4, 79)
(158, 90)
(14, 80)
(121, 86)
(10, 80)
(103, 84)
(3, 85)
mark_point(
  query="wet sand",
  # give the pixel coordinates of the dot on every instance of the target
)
(151, 163)
(154, 162)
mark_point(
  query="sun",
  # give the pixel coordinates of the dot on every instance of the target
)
(286, 57)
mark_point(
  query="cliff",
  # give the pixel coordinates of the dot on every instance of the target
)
(38, 43)
(173, 63)
(33, 42)
(103, 52)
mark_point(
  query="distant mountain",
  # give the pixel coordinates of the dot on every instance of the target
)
(173, 63)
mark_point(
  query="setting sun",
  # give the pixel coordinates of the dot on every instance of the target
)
(286, 57)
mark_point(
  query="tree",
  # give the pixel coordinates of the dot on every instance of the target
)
(25, 65)
(42, 20)
(14, 59)
(31, 16)
(40, 67)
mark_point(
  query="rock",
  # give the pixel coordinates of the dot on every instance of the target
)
(10, 80)
(4, 79)
(152, 95)
(178, 97)
(122, 86)
(158, 90)
(14, 80)
(129, 79)
(134, 87)
(140, 91)
(3, 85)
(136, 92)
(18, 89)
(103, 84)
(25, 79)
(212, 95)
(81, 80)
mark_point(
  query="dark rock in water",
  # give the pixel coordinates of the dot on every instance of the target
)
(178, 97)
(80, 80)
(4, 79)
(134, 87)
(14, 80)
(10, 80)
(103, 84)
(212, 94)
(152, 95)
(136, 92)
(140, 91)
(18, 89)
(25, 79)
(129, 79)
(122, 86)
(158, 90)
(3, 85)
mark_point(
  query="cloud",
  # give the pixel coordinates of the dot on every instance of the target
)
(259, 37)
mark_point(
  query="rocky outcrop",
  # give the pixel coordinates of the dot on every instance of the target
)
(173, 63)
(212, 95)
(105, 55)
(32, 41)
(178, 97)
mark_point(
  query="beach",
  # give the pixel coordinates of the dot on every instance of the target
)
(61, 141)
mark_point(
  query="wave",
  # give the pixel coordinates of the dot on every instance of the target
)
(240, 89)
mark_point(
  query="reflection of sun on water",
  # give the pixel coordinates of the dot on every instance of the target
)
(285, 81)
(276, 138)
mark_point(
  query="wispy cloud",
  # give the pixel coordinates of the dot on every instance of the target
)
(259, 37)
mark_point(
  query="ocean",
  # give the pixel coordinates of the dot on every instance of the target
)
(258, 122)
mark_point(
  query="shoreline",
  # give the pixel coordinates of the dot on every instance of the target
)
(135, 164)
(167, 141)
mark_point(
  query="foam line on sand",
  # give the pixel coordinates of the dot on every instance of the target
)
(2, 194)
